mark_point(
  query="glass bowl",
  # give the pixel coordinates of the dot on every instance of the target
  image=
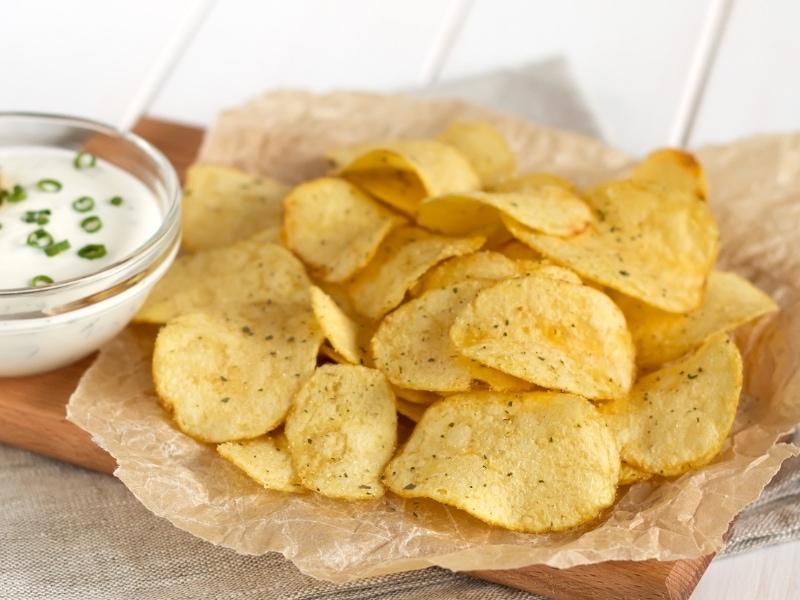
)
(43, 327)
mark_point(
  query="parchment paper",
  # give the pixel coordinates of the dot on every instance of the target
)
(755, 194)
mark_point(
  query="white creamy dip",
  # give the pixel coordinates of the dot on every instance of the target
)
(124, 223)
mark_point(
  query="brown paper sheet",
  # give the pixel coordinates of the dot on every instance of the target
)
(755, 194)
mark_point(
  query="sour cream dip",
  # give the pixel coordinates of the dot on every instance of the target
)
(67, 214)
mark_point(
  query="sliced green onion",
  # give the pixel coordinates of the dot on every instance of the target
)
(40, 217)
(41, 280)
(84, 160)
(116, 200)
(83, 204)
(58, 248)
(18, 194)
(49, 185)
(91, 224)
(40, 239)
(92, 251)
(3, 195)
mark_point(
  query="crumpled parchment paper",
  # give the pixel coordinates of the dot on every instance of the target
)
(755, 195)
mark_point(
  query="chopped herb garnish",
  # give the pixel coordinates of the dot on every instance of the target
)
(84, 160)
(91, 224)
(39, 239)
(92, 251)
(58, 248)
(116, 201)
(17, 194)
(83, 204)
(410, 486)
(41, 280)
(49, 185)
(40, 217)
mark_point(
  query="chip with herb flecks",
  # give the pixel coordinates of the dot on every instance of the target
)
(342, 430)
(532, 462)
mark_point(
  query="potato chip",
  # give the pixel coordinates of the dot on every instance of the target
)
(334, 227)
(556, 334)
(729, 302)
(673, 168)
(412, 345)
(516, 250)
(547, 209)
(484, 147)
(248, 271)
(222, 205)
(483, 265)
(347, 337)
(410, 410)
(402, 173)
(532, 181)
(231, 374)
(342, 430)
(676, 418)
(415, 396)
(546, 268)
(405, 255)
(628, 474)
(534, 462)
(266, 460)
(650, 243)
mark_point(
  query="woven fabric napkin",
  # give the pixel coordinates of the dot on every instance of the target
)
(70, 533)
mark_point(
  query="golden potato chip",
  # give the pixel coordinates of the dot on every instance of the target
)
(533, 462)
(483, 265)
(410, 410)
(415, 396)
(628, 474)
(403, 257)
(546, 268)
(348, 338)
(729, 302)
(516, 250)
(222, 205)
(673, 168)
(402, 173)
(676, 418)
(412, 345)
(553, 333)
(654, 244)
(248, 271)
(334, 227)
(547, 209)
(484, 147)
(266, 460)
(231, 374)
(342, 430)
(532, 181)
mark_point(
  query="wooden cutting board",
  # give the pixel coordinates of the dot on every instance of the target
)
(33, 416)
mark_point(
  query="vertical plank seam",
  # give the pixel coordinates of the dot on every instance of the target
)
(443, 44)
(700, 71)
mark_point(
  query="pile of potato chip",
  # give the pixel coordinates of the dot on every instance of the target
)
(548, 344)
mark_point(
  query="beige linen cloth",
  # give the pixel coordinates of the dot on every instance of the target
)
(70, 533)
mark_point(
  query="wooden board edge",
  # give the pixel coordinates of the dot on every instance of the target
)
(610, 580)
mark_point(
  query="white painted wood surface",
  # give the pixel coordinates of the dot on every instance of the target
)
(631, 60)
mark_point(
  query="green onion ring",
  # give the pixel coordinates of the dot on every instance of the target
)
(84, 160)
(49, 185)
(18, 194)
(92, 251)
(91, 224)
(40, 239)
(41, 280)
(83, 204)
(58, 248)
(40, 217)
